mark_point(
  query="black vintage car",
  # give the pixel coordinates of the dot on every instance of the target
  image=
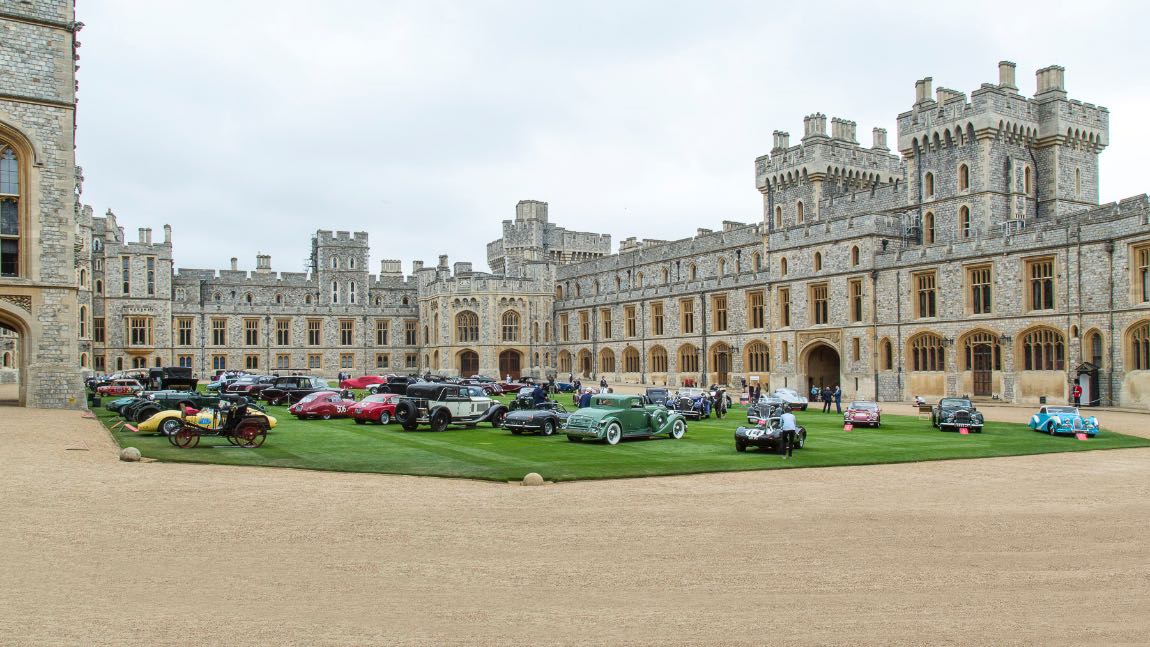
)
(289, 390)
(524, 399)
(659, 396)
(395, 384)
(952, 414)
(543, 419)
(171, 378)
(767, 407)
(767, 436)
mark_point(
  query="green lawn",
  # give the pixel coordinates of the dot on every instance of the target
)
(495, 454)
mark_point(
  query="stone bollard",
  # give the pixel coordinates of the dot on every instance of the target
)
(533, 479)
(130, 454)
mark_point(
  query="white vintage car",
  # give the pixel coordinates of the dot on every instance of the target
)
(792, 397)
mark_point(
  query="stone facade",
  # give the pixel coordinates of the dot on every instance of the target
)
(42, 240)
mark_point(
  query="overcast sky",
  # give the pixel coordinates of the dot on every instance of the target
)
(247, 125)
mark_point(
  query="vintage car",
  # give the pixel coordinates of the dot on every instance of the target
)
(440, 405)
(658, 395)
(362, 382)
(490, 388)
(952, 414)
(692, 403)
(171, 378)
(291, 389)
(543, 418)
(524, 399)
(119, 403)
(767, 434)
(120, 387)
(322, 404)
(767, 406)
(614, 416)
(1063, 420)
(863, 412)
(169, 422)
(394, 384)
(792, 397)
(251, 385)
(148, 403)
(565, 387)
(377, 407)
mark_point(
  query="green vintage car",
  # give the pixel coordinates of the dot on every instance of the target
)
(613, 417)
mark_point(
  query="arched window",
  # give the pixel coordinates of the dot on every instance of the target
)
(279, 299)
(248, 298)
(334, 292)
(351, 262)
(83, 277)
(964, 221)
(927, 353)
(535, 332)
(818, 261)
(778, 217)
(307, 299)
(351, 292)
(510, 326)
(558, 291)
(216, 297)
(963, 177)
(7, 360)
(84, 360)
(83, 321)
(639, 280)
(783, 266)
(99, 286)
(886, 355)
(1026, 180)
(618, 283)
(10, 230)
(1092, 348)
(757, 262)
(607, 361)
(1140, 347)
(722, 267)
(1043, 350)
(405, 301)
(928, 185)
(1078, 182)
(546, 331)
(970, 347)
(694, 272)
(928, 228)
(564, 361)
(658, 360)
(578, 290)
(688, 359)
(758, 357)
(334, 262)
(800, 213)
(596, 286)
(854, 255)
(666, 275)
(630, 360)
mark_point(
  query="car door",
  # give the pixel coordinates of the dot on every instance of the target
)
(635, 419)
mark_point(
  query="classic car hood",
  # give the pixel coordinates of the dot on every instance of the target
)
(526, 414)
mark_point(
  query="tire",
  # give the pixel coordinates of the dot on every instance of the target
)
(678, 428)
(1050, 428)
(740, 446)
(574, 439)
(547, 429)
(384, 418)
(185, 438)
(614, 434)
(170, 426)
(497, 419)
(326, 416)
(800, 441)
(143, 413)
(440, 419)
(359, 422)
(407, 414)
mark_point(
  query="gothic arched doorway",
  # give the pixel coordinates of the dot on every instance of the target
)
(510, 362)
(585, 363)
(468, 363)
(13, 362)
(721, 360)
(822, 367)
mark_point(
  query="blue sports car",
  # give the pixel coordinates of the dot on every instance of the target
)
(1063, 420)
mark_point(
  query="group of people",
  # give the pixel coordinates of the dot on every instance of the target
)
(828, 396)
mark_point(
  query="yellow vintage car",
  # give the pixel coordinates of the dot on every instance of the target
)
(170, 421)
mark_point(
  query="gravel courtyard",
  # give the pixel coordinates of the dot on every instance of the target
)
(1051, 549)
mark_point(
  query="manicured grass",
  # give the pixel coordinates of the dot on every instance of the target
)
(495, 454)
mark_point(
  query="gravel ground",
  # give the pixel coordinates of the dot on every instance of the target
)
(1040, 550)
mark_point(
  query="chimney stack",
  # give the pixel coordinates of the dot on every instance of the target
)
(922, 90)
(1006, 76)
(148, 235)
(168, 234)
(814, 126)
(142, 235)
(782, 141)
(878, 139)
(235, 263)
(263, 263)
(1051, 79)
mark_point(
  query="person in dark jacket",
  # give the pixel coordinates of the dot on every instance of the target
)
(828, 396)
(838, 399)
(538, 395)
(585, 400)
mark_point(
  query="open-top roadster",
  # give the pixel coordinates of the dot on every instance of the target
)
(1063, 420)
(544, 418)
(240, 422)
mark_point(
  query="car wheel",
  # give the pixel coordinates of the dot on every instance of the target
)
(170, 426)
(614, 434)
(497, 419)
(440, 419)
(678, 428)
(800, 441)
(1050, 428)
(548, 428)
(384, 418)
(740, 446)
(574, 439)
(326, 416)
(143, 413)
(407, 415)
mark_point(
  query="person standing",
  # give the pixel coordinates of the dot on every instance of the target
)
(1077, 393)
(789, 428)
(602, 383)
(827, 397)
(838, 399)
(814, 393)
(585, 400)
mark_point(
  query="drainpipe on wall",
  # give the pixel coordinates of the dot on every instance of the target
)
(1110, 312)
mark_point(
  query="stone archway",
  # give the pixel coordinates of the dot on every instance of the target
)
(823, 367)
(585, 367)
(468, 363)
(14, 347)
(510, 363)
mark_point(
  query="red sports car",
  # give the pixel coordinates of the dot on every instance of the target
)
(863, 412)
(375, 408)
(120, 387)
(322, 404)
(362, 382)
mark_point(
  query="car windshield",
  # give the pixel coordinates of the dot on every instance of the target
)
(381, 397)
(787, 393)
(962, 403)
(690, 393)
(869, 406)
(1070, 410)
(527, 390)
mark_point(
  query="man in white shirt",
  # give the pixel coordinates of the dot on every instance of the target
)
(789, 426)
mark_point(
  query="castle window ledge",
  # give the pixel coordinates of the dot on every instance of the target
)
(140, 350)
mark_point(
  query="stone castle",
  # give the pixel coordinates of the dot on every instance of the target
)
(975, 260)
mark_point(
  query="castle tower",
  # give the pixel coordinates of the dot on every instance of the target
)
(794, 179)
(339, 263)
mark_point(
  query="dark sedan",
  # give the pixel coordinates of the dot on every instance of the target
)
(542, 419)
